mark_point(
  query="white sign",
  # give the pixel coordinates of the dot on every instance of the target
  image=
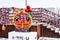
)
(22, 35)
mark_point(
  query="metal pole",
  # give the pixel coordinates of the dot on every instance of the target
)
(25, 2)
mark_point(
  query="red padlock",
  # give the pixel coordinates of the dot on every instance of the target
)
(28, 7)
(30, 10)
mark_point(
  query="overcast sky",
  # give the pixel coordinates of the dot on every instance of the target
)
(32, 3)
